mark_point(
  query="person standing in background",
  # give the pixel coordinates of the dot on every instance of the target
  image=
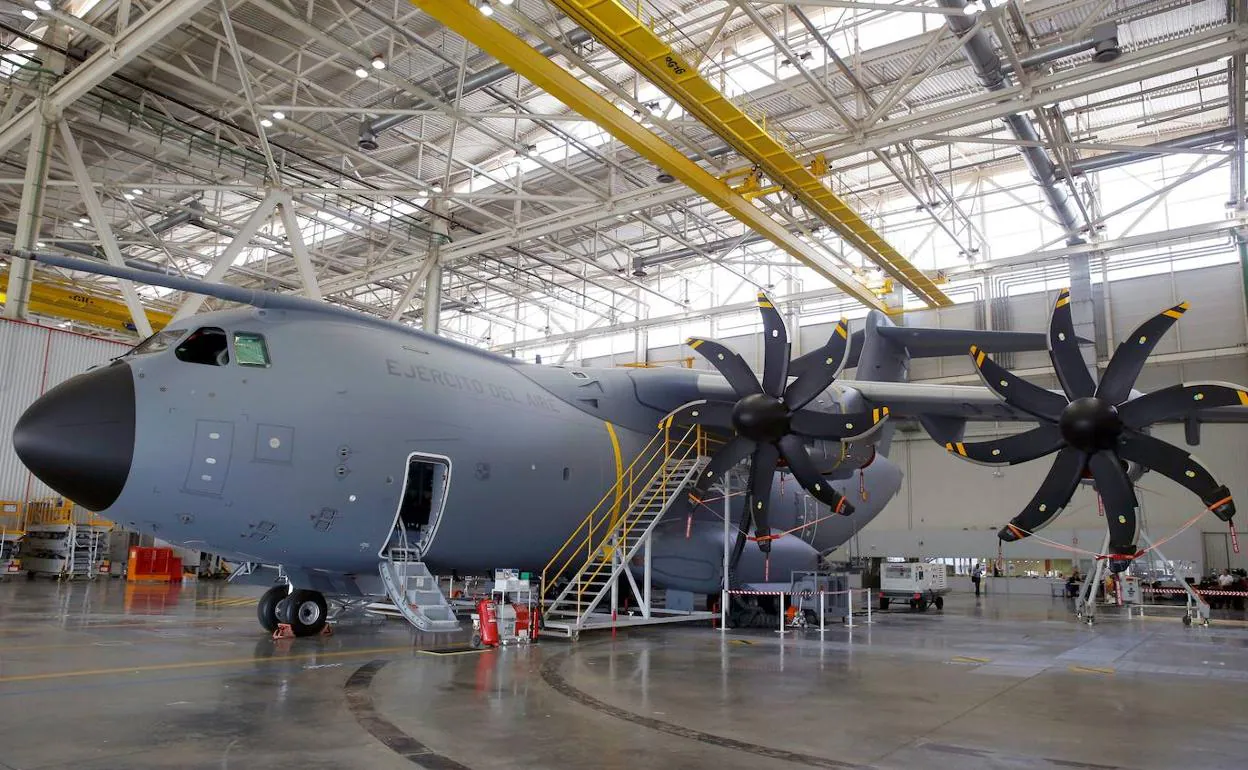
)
(976, 576)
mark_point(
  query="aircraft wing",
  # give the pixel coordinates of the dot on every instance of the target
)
(977, 403)
(914, 400)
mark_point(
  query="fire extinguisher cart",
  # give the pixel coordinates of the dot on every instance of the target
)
(509, 615)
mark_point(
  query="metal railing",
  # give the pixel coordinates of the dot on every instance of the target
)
(656, 462)
(54, 511)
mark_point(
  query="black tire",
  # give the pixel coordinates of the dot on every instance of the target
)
(883, 603)
(475, 641)
(306, 612)
(914, 604)
(282, 610)
(939, 602)
(266, 608)
(1187, 620)
(922, 605)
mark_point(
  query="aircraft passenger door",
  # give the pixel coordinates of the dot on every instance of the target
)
(425, 489)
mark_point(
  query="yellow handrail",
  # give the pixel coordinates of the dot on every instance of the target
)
(57, 511)
(620, 537)
(691, 443)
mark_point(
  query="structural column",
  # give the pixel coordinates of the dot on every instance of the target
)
(431, 312)
(1082, 312)
(30, 215)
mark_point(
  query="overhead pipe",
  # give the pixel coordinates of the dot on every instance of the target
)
(1115, 159)
(1102, 40)
(176, 219)
(714, 247)
(369, 130)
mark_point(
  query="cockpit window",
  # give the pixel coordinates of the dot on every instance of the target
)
(158, 342)
(208, 346)
(250, 349)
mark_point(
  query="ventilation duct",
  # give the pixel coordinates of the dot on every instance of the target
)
(992, 74)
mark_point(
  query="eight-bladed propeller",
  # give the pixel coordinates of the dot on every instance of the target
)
(769, 420)
(1095, 430)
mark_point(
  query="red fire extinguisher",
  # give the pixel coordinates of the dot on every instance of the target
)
(488, 632)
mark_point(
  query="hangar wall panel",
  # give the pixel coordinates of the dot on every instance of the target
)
(37, 358)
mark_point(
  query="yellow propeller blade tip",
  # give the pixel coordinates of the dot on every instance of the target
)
(974, 349)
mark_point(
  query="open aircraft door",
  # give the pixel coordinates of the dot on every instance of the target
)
(426, 482)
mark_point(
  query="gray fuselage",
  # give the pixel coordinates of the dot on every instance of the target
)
(303, 462)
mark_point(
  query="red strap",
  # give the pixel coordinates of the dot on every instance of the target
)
(1100, 507)
(1234, 537)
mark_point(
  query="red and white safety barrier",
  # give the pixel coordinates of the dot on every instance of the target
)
(849, 595)
(1201, 591)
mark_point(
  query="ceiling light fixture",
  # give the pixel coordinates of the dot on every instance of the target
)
(361, 73)
(29, 14)
(84, 221)
(506, 2)
(128, 196)
(379, 63)
(266, 122)
(486, 9)
(972, 8)
(137, 191)
(43, 5)
(279, 115)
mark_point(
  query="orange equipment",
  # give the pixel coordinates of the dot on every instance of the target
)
(154, 565)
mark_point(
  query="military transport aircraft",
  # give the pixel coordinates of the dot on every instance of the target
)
(298, 433)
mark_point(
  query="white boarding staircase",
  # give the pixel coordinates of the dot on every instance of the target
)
(595, 560)
(412, 588)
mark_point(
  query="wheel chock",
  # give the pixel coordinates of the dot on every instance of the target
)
(328, 630)
(284, 631)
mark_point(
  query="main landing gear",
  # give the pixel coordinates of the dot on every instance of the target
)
(304, 611)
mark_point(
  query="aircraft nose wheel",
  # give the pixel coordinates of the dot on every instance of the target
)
(266, 608)
(304, 611)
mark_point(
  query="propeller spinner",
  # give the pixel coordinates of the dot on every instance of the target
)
(769, 419)
(1095, 430)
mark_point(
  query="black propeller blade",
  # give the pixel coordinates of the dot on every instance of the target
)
(1095, 429)
(770, 420)
(1071, 369)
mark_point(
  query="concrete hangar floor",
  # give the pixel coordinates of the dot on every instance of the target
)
(94, 677)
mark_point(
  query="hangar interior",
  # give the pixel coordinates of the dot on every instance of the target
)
(589, 186)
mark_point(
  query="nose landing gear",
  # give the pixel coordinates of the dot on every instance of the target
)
(300, 612)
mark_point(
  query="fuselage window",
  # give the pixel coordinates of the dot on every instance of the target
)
(208, 346)
(157, 343)
(250, 349)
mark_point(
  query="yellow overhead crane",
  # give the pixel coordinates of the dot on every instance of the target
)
(494, 39)
(634, 42)
(64, 300)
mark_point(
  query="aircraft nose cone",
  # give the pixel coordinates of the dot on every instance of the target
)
(78, 438)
